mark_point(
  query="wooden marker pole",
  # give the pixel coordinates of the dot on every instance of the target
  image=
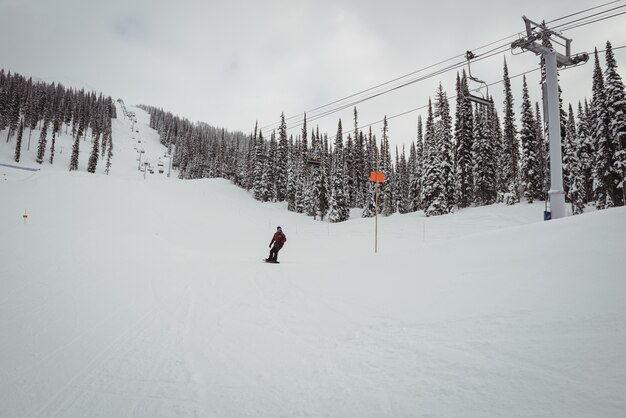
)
(376, 218)
(376, 177)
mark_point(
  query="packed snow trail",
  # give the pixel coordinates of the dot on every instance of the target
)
(146, 298)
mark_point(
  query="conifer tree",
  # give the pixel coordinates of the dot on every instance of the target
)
(369, 208)
(258, 162)
(433, 188)
(540, 142)
(402, 181)
(339, 209)
(484, 156)
(52, 146)
(350, 172)
(18, 143)
(443, 138)
(573, 179)
(585, 153)
(463, 133)
(75, 151)
(361, 173)
(603, 173)
(109, 153)
(281, 161)
(416, 184)
(293, 166)
(616, 115)
(412, 180)
(93, 157)
(530, 169)
(41, 148)
(387, 201)
(13, 108)
(510, 144)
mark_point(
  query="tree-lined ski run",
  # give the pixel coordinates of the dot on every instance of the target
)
(477, 159)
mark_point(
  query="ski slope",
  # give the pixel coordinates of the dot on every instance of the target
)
(121, 296)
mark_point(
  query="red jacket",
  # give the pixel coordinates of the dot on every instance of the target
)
(278, 240)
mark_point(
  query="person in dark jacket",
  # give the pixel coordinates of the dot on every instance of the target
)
(278, 240)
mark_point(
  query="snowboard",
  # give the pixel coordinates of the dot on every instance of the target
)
(271, 262)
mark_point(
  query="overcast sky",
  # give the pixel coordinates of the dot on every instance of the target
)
(230, 63)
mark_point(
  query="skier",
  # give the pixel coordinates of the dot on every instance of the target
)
(278, 240)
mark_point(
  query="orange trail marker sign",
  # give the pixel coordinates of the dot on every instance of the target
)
(377, 177)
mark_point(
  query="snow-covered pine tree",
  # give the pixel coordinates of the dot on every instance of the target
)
(75, 151)
(540, 142)
(349, 174)
(510, 156)
(585, 153)
(416, 185)
(93, 157)
(3, 98)
(30, 115)
(339, 209)
(443, 135)
(18, 143)
(369, 208)
(603, 190)
(433, 187)
(575, 190)
(412, 179)
(361, 174)
(293, 165)
(52, 145)
(281, 161)
(402, 181)
(107, 166)
(258, 162)
(41, 148)
(616, 114)
(387, 202)
(483, 157)
(463, 133)
(13, 108)
(531, 168)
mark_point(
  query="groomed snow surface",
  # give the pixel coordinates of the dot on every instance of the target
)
(125, 297)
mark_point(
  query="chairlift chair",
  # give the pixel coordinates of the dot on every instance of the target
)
(314, 162)
(469, 55)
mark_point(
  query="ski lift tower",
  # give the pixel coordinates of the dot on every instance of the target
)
(550, 89)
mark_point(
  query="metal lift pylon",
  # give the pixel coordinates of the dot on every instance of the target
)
(550, 89)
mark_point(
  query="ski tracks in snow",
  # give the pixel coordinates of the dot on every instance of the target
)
(147, 370)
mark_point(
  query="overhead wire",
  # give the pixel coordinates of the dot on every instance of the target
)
(361, 127)
(583, 11)
(312, 116)
(593, 21)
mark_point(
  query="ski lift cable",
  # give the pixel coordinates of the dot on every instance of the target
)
(390, 81)
(457, 65)
(588, 17)
(442, 71)
(452, 67)
(396, 79)
(584, 11)
(299, 123)
(455, 96)
(444, 61)
(593, 21)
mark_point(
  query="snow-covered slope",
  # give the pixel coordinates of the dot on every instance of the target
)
(128, 297)
(129, 139)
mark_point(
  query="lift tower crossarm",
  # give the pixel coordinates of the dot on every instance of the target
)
(529, 44)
